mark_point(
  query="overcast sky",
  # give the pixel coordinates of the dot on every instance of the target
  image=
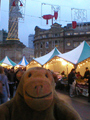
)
(34, 9)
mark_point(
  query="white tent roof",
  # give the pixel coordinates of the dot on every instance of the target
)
(78, 54)
(23, 62)
(8, 61)
(44, 59)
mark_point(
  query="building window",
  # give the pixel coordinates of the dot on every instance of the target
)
(40, 37)
(41, 53)
(68, 33)
(52, 35)
(44, 36)
(47, 44)
(81, 33)
(56, 43)
(87, 32)
(76, 44)
(41, 45)
(56, 35)
(36, 55)
(68, 44)
(36, 46)
(75, 33)
(53, 44)
(47, 51)
(61, 34)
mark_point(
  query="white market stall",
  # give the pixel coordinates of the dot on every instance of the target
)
(40, 61)
(7, 62)
(79, 57)
(23, 63)
(58, 65)
(33, 63)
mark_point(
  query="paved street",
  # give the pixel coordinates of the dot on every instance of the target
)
(80, 104)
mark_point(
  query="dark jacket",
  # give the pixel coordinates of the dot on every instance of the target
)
(71, 77)
(87, 73)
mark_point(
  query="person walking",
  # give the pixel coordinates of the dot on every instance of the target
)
(11, 76)
(5, 87)
(72, 82)
(86, 74)
(89, 89)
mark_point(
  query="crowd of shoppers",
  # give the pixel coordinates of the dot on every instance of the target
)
(10, 82)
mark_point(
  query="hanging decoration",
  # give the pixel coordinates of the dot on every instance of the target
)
(52, 13)
(56, 14)
(49, 16)
(14, 4)
(78, 17)
(74, 24)
(21, 4)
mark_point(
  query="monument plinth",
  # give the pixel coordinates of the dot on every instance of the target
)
(13, 49)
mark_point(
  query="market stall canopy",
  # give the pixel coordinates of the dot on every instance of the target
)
(44, 59)
(7, 61)
(78, 54)
(23, 62)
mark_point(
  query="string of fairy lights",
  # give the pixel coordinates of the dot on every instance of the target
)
(63, 62)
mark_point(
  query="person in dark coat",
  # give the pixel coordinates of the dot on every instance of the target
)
(89, 88)
(71, 82)
(15, 79)
(86, 74)
(17, 76)
(11, 81)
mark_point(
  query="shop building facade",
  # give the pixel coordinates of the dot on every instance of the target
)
(64, 38)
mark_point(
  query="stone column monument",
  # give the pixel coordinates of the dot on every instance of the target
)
(12, 47)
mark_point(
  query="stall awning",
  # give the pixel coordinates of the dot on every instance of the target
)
(78, 54)
(44, 59)
(23, 62)
(8, 61)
